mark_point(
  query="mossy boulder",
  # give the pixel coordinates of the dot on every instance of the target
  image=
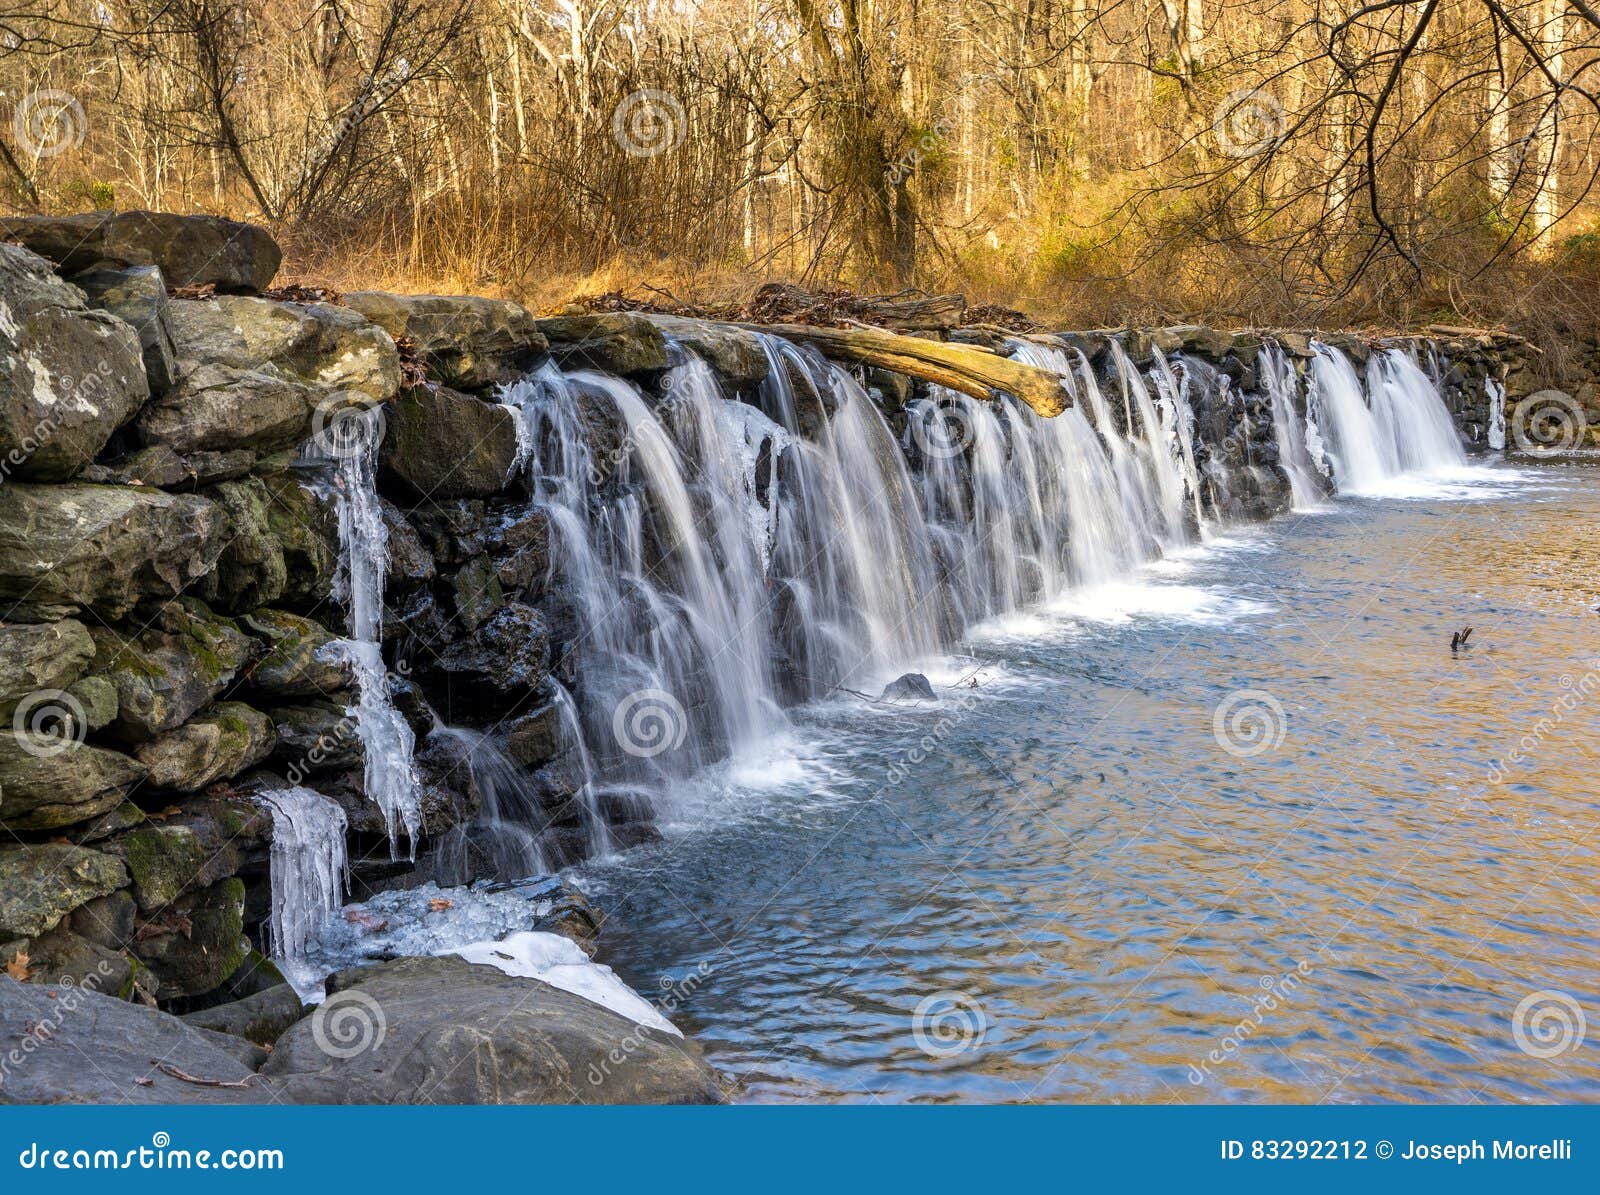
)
(304, 523)
(55, 788)
(193, 945)
(190, 250)
(467, 342)
(97, 699)
(172, 669)
(69, 377)
(298, 661)
(251, 571)
(443, 444)
(217, 745)
(40, 884)
(205, 843)
(620, 343)
(42, 656)
(103, 548)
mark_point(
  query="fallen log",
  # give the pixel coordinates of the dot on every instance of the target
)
(962, 367)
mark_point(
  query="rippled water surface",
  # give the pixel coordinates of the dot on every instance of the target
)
(1093, 899)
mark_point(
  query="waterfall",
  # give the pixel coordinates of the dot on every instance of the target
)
(1397, 425)
(309, 869)
(1497, 414)
(1294, 440)
(511, 812)
(386, 738)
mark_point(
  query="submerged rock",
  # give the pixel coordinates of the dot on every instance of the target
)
(260, 1018)
(733, 353)
(444, 1031)
(913, 686)
(190, 250)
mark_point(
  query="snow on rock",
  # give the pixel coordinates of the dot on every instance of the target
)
(558, 961)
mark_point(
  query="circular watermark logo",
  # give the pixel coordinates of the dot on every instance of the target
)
(942, 431)
(649, 722)
(49, 722)
(47, 123)
(347, 424)
(1548, 1024)
(1248, 122)
(648, 123)
(1547, 422)
(1249, 721)
(948, 1023)
(348, 1024)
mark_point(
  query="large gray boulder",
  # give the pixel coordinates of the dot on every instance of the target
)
(217, 408)
(334, 348)
(69, 377)
(137, 295)
(40, 884)
(103, 548)
(41, 657)
(44, 790)
(467, 342)
(190, 250)
(444, 1031)
(448, 445)
(75, 1045)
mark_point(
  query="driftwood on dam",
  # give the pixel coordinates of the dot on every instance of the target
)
(962, 367)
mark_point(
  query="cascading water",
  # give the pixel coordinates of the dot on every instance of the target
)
(309, 870)
(1398, 425)
(1497, 414)
(386, 738)
(1293, 438)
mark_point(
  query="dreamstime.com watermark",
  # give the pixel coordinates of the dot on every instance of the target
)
(1548, 1024)
(649, 122)
(158, 1155)
(1275, 992)
(1248, 122)
(649, 722)
(674, 992)
(59, 394)
(948, 1023)
(1577, 692)
(49, 122)
(1249, 722)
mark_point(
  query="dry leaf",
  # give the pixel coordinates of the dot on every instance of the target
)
(439, 904)
(17, 968)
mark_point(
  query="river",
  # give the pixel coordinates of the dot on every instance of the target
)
(1241, 828)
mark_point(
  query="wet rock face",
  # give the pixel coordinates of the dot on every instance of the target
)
(69, 376)
(445, 445)
(622, 344)
(457, 1033)
(190, 250)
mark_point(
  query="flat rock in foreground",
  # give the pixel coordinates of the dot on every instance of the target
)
(70, 1045)
(443, 1031)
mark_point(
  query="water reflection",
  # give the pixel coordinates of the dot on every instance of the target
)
(1139, 914)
